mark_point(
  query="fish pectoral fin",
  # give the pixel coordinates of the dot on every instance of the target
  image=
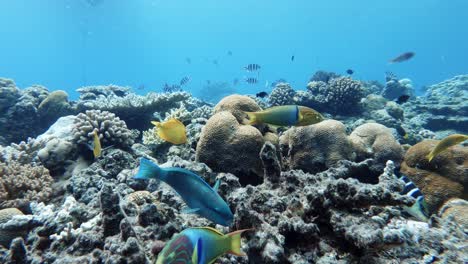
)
(188, 210)
(216, 186)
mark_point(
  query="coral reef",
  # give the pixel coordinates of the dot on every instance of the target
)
(458, 209)
(90, 93)
(227, 146)
(323, 76)
(395, 88)
(282, 94)
(28, 112)
(8, 234)
(110, 129)
(21, 184)
(136, 110)
(324, 193)
(317, 147)
(236, 105)
(320, 146)
(376, 141)
(54, 106)
(443, 108)
(340, 95)
(443, 178)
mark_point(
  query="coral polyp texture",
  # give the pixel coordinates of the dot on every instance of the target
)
(282, 94)
(20, 184)
(110, 129)
(341, 95)
(331, 192)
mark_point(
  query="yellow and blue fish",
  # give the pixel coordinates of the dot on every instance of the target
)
(200, 245)
(172, 131)
(196, 193)
(286, 115)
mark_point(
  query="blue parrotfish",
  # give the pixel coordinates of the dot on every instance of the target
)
(200, 198)
(200, 245)
(419, 209)
(286, 115)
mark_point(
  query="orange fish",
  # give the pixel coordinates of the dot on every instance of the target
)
(172, 131)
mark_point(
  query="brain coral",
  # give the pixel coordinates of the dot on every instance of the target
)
(282, 94)
(20, 184)
(317, 147)
(445, 177)
(111, 130)
(227, 146)
(236, 105)
(6, 235)
(376, 141)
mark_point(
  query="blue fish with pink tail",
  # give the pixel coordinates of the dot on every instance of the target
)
(200, 197)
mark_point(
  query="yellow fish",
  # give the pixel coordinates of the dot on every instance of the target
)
(172, 131)
(96, 145)
(285, 115)
(445, 143)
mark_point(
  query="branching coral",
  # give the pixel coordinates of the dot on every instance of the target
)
(102, 91)
(341, 95)
(283, 94)
(111, 130)
(136, 110)
(20, 184)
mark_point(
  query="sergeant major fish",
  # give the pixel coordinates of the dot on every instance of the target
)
(251, 80)
(196, 193)
(252, 67)
(419, 208)
(200, 245)
(285, 115)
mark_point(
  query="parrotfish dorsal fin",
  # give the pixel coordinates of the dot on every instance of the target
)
(211, 229)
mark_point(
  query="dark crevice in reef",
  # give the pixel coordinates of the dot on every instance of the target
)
(364, 174)
(252, 179)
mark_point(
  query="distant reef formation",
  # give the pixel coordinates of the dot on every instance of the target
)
(323, 193)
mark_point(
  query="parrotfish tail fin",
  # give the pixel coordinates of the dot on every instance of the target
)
(148, 170)
(236, 242)
(252, 118)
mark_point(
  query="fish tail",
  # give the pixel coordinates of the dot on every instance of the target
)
(235, 247)
(148, 170)
(252, 118)
(429, 157)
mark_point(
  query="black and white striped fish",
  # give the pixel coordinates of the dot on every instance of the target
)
(419, 208)
(251, 80)
(184, 81)
(252, 67)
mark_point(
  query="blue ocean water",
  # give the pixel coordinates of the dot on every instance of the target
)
(65, 44)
